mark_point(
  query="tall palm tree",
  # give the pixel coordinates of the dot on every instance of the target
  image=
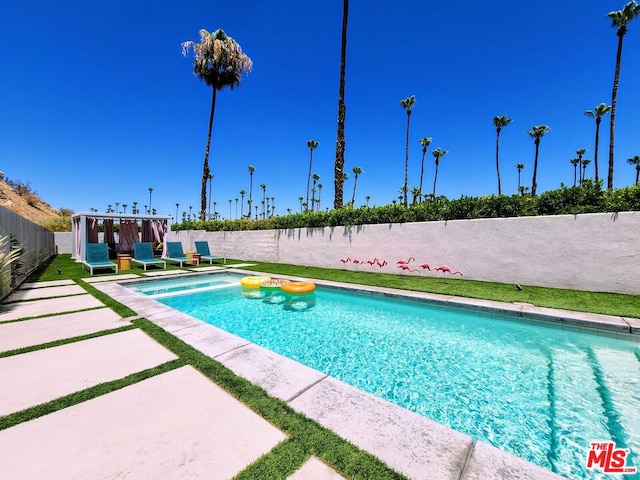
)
(499, 123)
(598, 112)
(263, 186)
(620, 19)
(536, 132)
(438, 153)
(635, 161)
(584, 162)
(319, 194)
(575, 162)
(520, 166)
(220, 62)
(356, 173)
(177, 206)
(415, 194)
(425, 142)
(315, 177)
(311, 145)
(251, 169)
(242, 194)
(150, 190)
(236, 207)
(407, 104)
(342, 112)
(367, 198)
(580, 152)
(300, 199)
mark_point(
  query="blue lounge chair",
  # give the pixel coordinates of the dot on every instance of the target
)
(97, 256)
(175, 254)
(203, 249)
(143, 254)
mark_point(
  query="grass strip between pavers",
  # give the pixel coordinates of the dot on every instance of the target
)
(307, 436)
(75, 398)
(64, 341)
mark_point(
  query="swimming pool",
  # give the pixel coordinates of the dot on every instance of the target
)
(538, 391)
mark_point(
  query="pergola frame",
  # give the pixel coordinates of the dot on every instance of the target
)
(115, 216)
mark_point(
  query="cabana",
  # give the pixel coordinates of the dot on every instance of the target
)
(131, 229)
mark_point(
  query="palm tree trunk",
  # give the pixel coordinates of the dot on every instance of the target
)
(595, 155)
(353, 197)
(435, 179)
(406, 161)
(338, 179)
(637, 173)
(309, 176)
(575, 172)
(205, 165)
(424, 152)
(497, 162)
(534, 183)
(614, 95)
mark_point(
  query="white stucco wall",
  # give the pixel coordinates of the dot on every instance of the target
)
(596, 252)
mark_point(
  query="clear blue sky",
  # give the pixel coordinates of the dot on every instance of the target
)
(98, 103)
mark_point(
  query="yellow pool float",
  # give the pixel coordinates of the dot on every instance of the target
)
(253, 282)
(273, 284)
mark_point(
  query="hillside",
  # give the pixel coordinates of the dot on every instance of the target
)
(27, 203)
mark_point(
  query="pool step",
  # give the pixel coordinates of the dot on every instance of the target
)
(192, 290)
(619, 376)
(577, 410)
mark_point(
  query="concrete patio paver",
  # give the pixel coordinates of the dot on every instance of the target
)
(39, 376)
(164, 273)
(50, 283)
(315, 469)
(15, 335)
(46, 292)
(177, 425)
(110, 278)
(51, 306)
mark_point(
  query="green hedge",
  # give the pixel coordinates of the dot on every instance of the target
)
(589, 198)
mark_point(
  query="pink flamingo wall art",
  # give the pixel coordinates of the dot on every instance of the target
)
(406, 267)
(425, 266)
(405, 262)
(357, 261)
(447, 269)
(345, 259)
(381, 263)
(372, 261)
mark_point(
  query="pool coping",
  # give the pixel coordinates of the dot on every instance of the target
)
(408, 442)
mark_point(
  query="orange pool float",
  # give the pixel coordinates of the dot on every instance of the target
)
(298, 288)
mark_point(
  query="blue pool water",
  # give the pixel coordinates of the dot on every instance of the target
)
(538, 391)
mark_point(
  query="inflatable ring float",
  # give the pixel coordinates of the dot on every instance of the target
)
(273, 284)
(298, 288)
(253, 282)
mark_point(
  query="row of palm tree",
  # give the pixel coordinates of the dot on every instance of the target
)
(220, 62)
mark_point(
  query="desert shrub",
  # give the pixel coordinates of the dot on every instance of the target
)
(57, 224)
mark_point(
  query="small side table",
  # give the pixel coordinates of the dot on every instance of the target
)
(124, 261)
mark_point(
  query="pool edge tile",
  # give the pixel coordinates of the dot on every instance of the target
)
(487, 461)
(409, 443)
